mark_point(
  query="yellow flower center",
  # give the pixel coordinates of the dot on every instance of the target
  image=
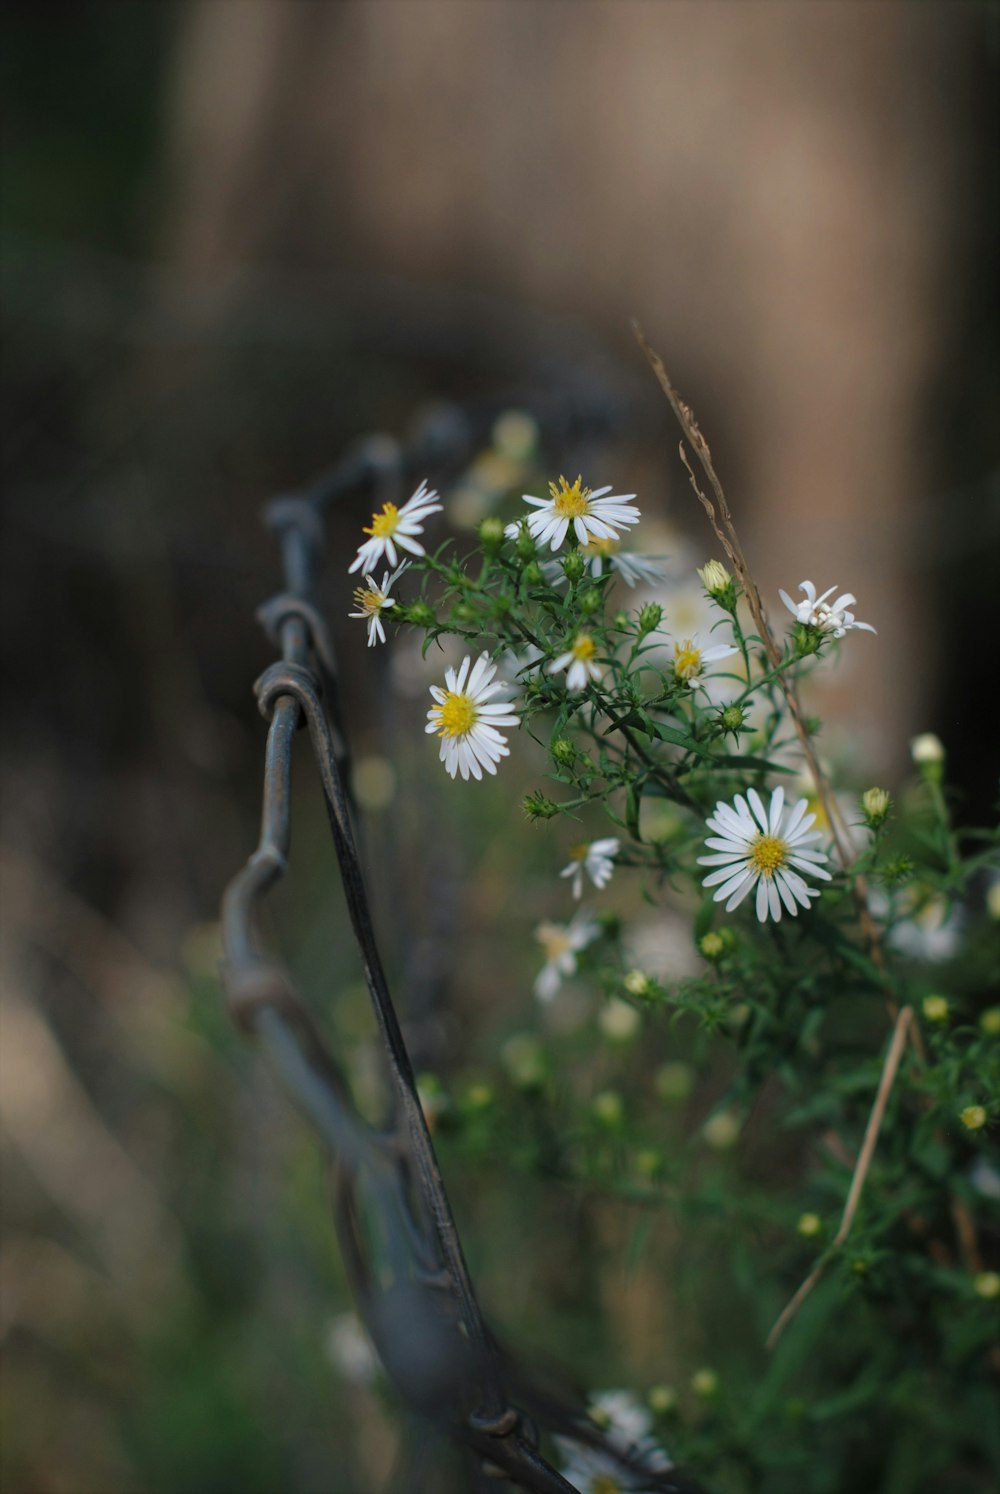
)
(578, 853)
(768, 853)
(368, 601)
(553, 939)
(601, 547)
(584, 648)
(570, 502)
(687, 660)
(385, 523)
(457, 715)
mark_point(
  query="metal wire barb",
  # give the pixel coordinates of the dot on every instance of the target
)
(394, 1224)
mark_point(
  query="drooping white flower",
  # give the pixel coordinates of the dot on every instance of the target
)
(631, 1455)
(562, 943)
(593, 515)
(831, 617)
(690, 660)
(594, 857)
(396, 526)
(579, 663)
(754, 847)
(374, 600)
(466, 719)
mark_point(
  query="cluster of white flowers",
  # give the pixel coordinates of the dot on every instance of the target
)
(632, 1453)
(771, 849)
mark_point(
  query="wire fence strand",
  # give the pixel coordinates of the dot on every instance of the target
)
(394, 1223)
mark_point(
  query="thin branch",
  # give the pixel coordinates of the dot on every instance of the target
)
(889, 1070)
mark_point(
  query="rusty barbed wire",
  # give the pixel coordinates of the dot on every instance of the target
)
(400, 1245)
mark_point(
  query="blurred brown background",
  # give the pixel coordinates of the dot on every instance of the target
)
(239, 234)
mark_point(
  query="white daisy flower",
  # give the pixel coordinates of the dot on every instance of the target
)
(595, 858)
(466, 719)
(562, 943)
(817, 612)
(593, 515)
(579, 663)
(751, 847)
(374, 600)
(690, 660)
(396, 526)
(632, 1452)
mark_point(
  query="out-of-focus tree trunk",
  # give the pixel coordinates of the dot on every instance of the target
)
(777, 191)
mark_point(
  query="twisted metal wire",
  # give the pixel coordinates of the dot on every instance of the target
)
(400, 1244)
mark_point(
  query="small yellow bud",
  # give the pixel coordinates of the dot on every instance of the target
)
(721, 1131)
(973, 1117)
(705, 1383)
(714, 577)
(875, 803)
(989, 1021)
(648, 1162)
(935, 1008)
(636, 983)
(674, 1082)
(809, 1225)
(524, 1060)
(987, 1285)
(662, 1399)
(479, 1096)
(619, 1021)
(927, 748)
(712, 946)
(608, 1108)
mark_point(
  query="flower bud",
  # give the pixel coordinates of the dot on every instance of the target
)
(419, 613)
(674, 1082)
(479, 1097)
(491, 534)
(927, 748)
(973, 1117)
(524, 545)
(987, 1285)
(619, 1021)
(590, 602)
(608, 1109)
(719, 584)
(573, 565)
(875, 804)
(935, 1008)
(712, 945)
(733, 718)
(650, 617)
(714, 577)
(705, 1384)
(721, 1131)
(620, 620)
(636, 983)
(993, 899)
(648, 1162)
(809, 1225)
(989, 1021)
(662, 1399)
(533, 574)
(537, 807)
(462, 612)
(524, 1060)
(563, 751)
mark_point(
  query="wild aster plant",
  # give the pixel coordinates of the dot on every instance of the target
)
(798, 957)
